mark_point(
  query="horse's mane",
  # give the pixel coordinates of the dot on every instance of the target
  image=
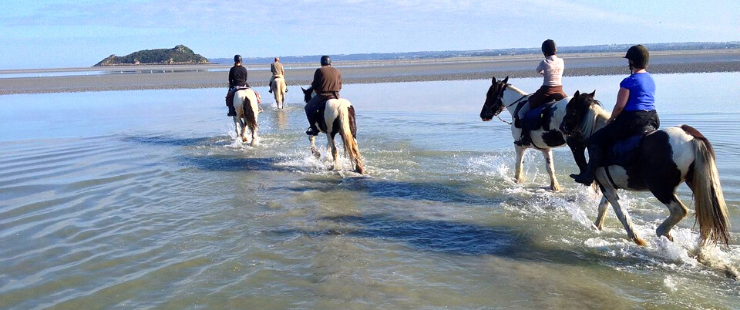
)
(595, 117)
(514, 88)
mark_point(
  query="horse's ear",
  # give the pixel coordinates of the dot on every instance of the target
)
(593, 93)
(506, 80)
(578, 93)
(493, 81)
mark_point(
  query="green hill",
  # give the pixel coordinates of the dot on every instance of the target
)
(178, 55)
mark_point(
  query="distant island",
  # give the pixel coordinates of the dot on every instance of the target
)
(179, 55)
(431, 55)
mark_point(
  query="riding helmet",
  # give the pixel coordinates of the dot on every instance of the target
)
(548, 47)
(237, 58)
(325, 60)
(639, 56)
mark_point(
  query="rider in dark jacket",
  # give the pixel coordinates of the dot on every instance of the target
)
(634, 112)
(327, 82)
(237, 79)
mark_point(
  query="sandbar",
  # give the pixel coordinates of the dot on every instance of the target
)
(143, 77)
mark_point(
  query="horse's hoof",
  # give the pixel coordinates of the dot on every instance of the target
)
(555, 188)
(639, 241)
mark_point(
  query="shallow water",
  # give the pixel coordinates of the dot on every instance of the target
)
(144, 199)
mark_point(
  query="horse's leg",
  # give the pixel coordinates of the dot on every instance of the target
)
(554, 185)
(611, 195)
(518, 174)
(236, 125)
(678, 212)
(603, 206)
(314, 150)
(331, 146)
(244, 132)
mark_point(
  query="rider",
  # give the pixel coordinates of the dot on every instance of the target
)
(552, 87)
(634, 112)
(237, 79)
(327, 82)
(277, 72)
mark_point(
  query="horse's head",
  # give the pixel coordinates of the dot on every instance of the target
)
(576, 111)
(307, 94)
(494, 99)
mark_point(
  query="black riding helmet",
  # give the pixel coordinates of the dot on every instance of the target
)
(237, 58)
(325, 60)
(548, 48)
(639, 56)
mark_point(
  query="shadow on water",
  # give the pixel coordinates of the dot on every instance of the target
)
(233, 164)
(447, 192)
(169, 141)
(451, 237)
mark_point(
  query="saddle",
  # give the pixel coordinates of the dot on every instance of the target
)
(539, 117)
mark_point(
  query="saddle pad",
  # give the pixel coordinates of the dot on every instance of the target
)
(538, 117)
(625, 151)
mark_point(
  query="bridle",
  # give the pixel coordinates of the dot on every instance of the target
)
(499, 100)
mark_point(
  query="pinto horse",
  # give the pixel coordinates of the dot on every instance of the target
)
(278, 89)
(247, 110)
(339, 116)
(664, 159)
(502, 95)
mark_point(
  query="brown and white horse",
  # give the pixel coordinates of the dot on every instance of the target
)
(247, 110)
(501, 96)
(665, 159)
(278, 89)
(339, 115)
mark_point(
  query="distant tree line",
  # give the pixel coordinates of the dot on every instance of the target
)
(492, 52)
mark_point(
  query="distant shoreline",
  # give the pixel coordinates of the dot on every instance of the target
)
(363, 72)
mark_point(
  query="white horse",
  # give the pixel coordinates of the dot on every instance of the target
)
(278, 89)
(664, 159)
(502, 96)
(247, 110)
(339, 115)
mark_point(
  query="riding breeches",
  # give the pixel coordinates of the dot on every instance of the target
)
(545, 94)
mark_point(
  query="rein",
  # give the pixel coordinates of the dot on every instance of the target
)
(508, 106)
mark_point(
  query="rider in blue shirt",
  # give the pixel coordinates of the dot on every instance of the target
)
(633, 114)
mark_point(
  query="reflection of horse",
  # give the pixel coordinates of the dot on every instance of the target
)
(339, 116)
(278, 91)
(247, 109)
(663, 159)
(502, 96)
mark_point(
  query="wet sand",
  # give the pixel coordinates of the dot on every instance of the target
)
(463, 68)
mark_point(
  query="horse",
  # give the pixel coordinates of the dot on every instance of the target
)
(663, 160)
(339, 115)
(247, 110)
(502, 95)
(278, 91)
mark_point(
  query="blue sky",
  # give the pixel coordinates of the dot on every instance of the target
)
(79, 33)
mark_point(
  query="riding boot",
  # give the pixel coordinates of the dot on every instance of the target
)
(311, 131)
(232, 111)
(596, 156)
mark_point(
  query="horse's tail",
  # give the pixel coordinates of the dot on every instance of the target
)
(250, 113)
(709, 201)
(348, 131)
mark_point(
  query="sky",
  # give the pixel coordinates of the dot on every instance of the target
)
(80, 33)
